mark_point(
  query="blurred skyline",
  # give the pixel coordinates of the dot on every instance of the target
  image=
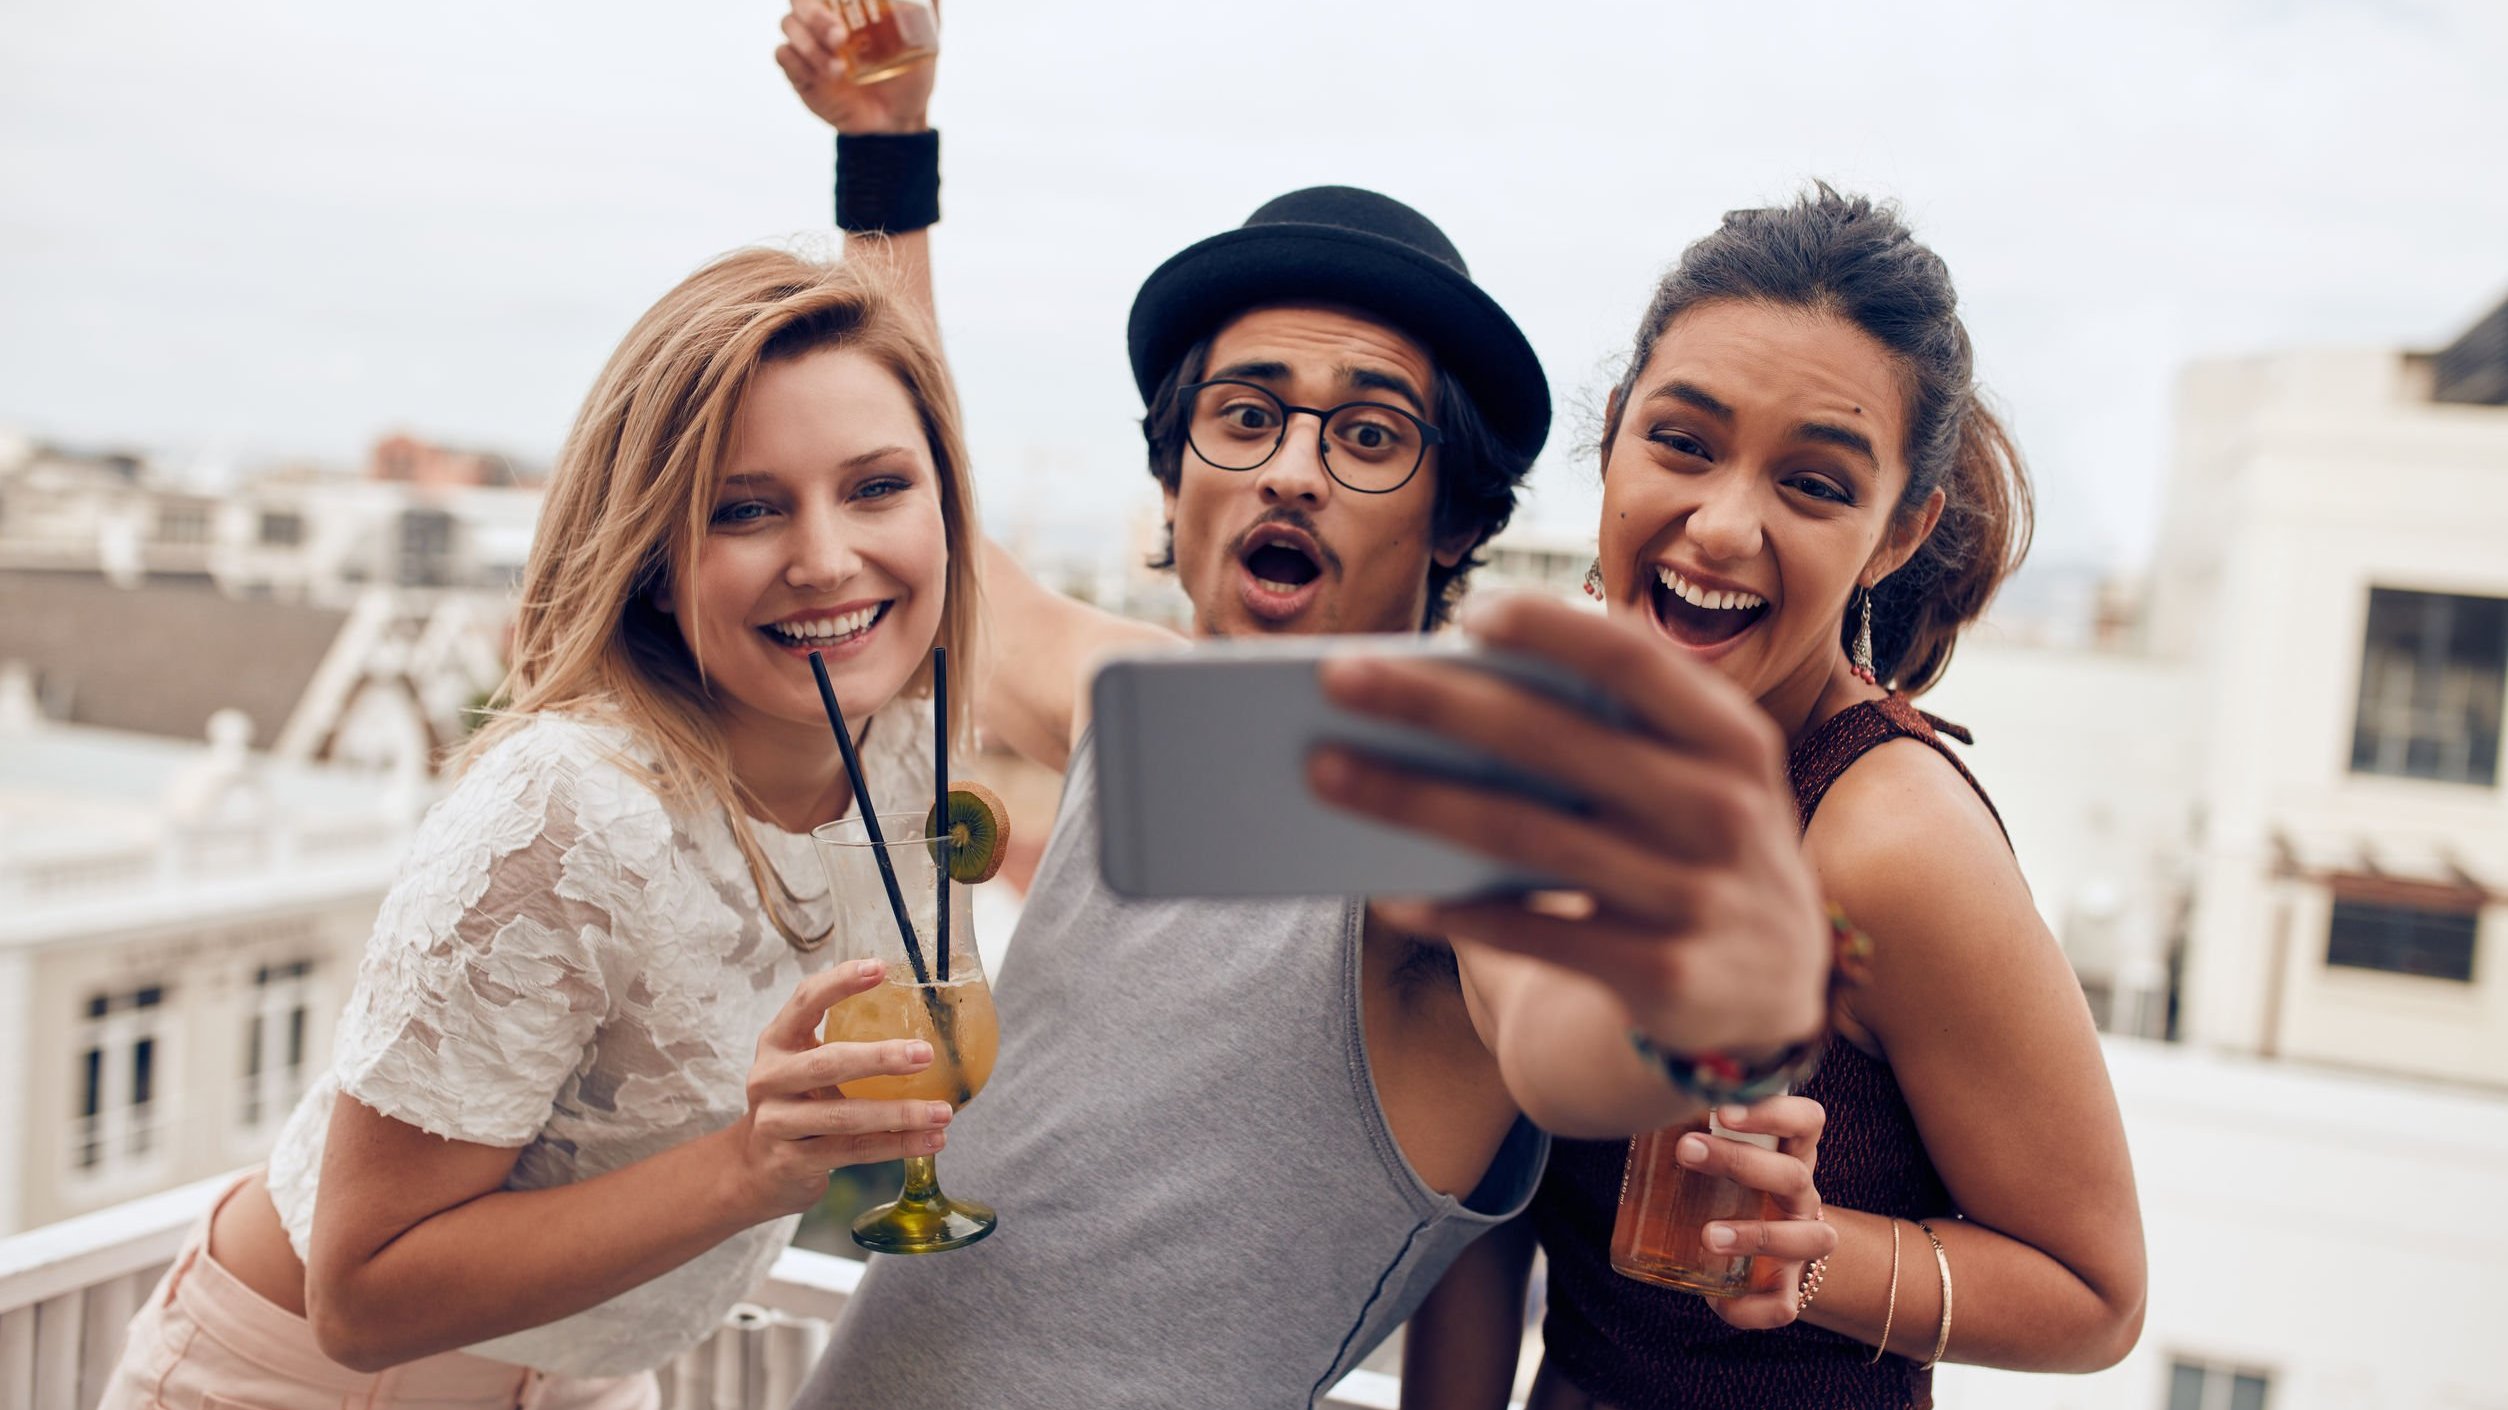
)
(275, 228)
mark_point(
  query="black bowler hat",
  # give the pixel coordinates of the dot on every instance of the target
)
(1338, 244)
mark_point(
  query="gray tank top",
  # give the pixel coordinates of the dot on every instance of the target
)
(1201, 1201)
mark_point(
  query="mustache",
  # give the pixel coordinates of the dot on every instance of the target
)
(1295, 518)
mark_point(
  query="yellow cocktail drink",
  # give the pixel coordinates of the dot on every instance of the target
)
(964, 1041)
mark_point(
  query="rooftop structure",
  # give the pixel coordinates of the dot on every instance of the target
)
(179, 926)
(160, 657)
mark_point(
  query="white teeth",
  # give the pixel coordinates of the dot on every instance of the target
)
(1697, 596)
(822, 630)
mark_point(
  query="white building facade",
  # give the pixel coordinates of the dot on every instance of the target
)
(2274, 827)
(2335, 575)
(179, 928)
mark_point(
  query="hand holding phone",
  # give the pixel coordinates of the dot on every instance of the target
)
(1203, 761)
(1697, 908)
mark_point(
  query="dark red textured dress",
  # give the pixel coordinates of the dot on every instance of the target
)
(1634, 1346)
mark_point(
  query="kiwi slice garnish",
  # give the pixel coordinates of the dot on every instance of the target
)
(977, 829)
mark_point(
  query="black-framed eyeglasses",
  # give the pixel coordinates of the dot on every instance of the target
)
(1366, 446)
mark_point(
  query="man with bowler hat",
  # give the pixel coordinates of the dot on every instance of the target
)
(1234, 1143)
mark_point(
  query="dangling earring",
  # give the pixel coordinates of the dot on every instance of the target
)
(1860, 661)
(1593, 581)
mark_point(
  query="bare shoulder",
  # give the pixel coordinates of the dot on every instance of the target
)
(1915, 858)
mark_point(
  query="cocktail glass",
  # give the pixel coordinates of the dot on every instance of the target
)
(937, 994)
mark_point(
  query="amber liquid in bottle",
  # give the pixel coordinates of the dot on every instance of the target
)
(888, 37)
(1664, 1209)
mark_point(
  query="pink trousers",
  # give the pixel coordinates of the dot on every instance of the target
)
(204, 1341)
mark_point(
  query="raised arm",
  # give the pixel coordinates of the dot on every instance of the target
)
(1038, 651)
(1037, 647)
(896, 108)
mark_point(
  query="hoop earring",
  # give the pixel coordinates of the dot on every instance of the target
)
(1593, 581)
(1860, 660)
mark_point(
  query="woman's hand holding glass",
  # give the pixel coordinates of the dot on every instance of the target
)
(798, 1127)
(1780, 1246)
(814, 31)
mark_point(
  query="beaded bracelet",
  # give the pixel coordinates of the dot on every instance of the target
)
(1809, 1286)
(1716, 1078)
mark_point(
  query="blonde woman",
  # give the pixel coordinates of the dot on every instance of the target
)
(576, 1103)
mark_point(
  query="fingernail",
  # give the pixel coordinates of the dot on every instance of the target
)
(1734, 1116)
(866, 969)
(941, 1113)
(932, 1140)
(1692, 1150)
(1719, 1237)
(918, 1051)
(1329, 770)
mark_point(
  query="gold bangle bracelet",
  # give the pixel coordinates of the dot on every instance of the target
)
(1942, 1339)
(1889, 1317)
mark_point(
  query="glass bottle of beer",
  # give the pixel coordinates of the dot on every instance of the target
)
(1665, 1207)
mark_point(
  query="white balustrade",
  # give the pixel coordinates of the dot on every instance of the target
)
(68, 1290)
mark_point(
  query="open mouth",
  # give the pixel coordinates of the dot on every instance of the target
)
(825, 633)
(1282, 567)
(1700, 616)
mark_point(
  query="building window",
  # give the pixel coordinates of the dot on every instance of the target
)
(274, 1042)
(182, 523)
(426, 548)
(2403, 939)
(118, 1107)
(282, 528)
(2432, 678)
(2197, 1385)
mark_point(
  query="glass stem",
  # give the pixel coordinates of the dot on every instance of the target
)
(922, 1181)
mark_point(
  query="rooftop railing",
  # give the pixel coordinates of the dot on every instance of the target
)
(68, 1290)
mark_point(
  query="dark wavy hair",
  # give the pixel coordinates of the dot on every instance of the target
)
(1845, 256)
(1477, 475)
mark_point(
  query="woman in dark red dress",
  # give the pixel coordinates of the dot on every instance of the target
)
(1802, 489)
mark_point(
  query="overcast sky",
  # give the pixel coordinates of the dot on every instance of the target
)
(260, 227)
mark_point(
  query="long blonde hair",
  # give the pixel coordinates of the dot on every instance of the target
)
(634, 489)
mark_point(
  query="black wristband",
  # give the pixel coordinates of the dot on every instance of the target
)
(887, 183)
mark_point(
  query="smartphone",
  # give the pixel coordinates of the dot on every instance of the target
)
(1201, 774)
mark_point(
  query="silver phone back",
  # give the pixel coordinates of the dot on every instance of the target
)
(1201, 760)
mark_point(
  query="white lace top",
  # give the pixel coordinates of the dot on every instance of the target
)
(568, 966)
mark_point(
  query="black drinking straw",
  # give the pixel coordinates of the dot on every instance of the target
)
(870, 817)
(940, 789)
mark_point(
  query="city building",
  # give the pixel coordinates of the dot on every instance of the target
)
(2265, 818)
(2334, 572)
(179, 926)
(386, 680)
(102, 512)
(1537, 558)
(421, 517)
